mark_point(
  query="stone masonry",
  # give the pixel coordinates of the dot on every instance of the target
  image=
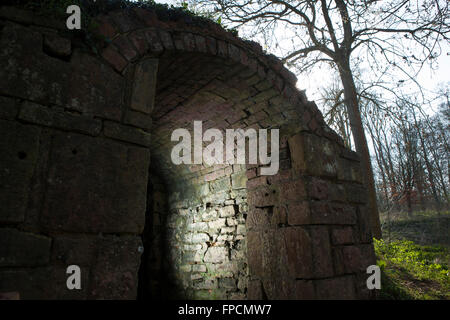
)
(86, 176)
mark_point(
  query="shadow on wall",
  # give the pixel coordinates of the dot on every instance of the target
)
(155, 269)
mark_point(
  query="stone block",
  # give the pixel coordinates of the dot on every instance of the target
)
(19, 145)
(200, 43)
(144, 84)
(239, 181)
(185, 268)
(228, 230)
(232, 221)
(227, 211)
(22, 249)
(197, 226)
(313, 155)
(79, 250)
(209, 215)
(356, 193)
(35, 113)
(115, 272)
(321, 252)
(318, 189)
(56, 45)
(95, 185)
(44, 283)
(353, 258)
(237, 296)
(297, 149)
(205, 284)
(166, 39)
(211, 45)
(219, 185)
(255, 290)
(198, 268)
(298, 250)
(216, 255)
(8, 108)
(188, 41)
(210, 294)
(298, 213)
(198, 238)
(139, 41)
(114, 58)
(125, 47)
(342, 235)
(126, 133)
(240, 229)
(323, 212)
(190, 257)
(138, 119)
(263, 197)
(292, 191)
(254, 255)
(336, 192)
(304, 290)
(363, 225)
(27, 72)
(364, 293)
(256, 182)
(93, 87)
(153, 41)
(260, 217)
(342, 288)
(227, 283)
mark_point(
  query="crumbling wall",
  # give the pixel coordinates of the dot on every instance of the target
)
(74, 167)
(83, 133)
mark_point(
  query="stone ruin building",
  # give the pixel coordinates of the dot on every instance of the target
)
(86, 177)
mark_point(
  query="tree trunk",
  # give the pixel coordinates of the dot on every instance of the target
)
(408, 202)
(391, 174)
(354, 114)
(385, 150)
(379, 158)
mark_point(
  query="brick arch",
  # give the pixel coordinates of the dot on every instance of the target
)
(232, 233)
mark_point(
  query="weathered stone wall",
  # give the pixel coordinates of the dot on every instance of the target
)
(207, 236)
(195, 248)
(307, 226)
(73, 189)
(81, 131)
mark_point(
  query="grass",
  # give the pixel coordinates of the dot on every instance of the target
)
(414, 256)
(424, 227)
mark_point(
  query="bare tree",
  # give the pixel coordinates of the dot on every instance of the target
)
(341, 33)
(413, 156)
(334, 110)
